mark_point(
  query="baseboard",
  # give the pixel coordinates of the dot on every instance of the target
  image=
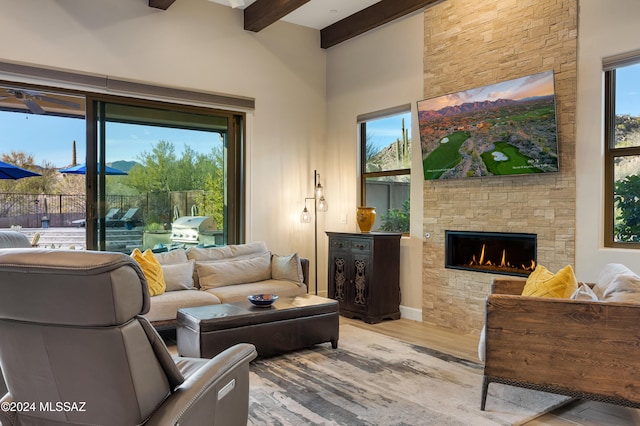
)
(412, 314)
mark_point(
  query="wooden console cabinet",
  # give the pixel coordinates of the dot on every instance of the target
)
(364, 274)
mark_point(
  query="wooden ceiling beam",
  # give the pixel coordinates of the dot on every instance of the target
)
(367, 19)
(161, 4)
(262, 13)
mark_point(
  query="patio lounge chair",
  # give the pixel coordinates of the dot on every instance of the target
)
(130, 218)
(110, 217)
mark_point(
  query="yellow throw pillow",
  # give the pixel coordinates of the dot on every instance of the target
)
(544, 283)
(152, 270)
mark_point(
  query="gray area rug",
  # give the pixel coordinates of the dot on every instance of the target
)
(372, 379)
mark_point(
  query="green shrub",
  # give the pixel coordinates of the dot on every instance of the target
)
(396, 220)
(627, 203)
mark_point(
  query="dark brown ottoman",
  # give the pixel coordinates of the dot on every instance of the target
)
(291, 323)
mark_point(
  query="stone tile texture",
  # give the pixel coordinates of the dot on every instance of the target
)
(469, 44)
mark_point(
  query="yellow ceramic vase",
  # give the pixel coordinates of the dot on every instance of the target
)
(365, 216)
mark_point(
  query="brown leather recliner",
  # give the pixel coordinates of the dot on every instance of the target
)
(75, 350)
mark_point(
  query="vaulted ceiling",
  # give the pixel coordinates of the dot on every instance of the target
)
(259, 14)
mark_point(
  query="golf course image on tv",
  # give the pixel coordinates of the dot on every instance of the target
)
(507, 128)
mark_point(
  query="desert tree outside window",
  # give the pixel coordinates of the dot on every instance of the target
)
(622, 151)
(385, 164)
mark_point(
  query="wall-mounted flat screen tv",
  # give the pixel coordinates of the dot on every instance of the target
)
(507, 128)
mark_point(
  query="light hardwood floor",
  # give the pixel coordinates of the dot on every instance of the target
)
(578, 413)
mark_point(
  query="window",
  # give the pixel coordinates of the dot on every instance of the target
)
(622, 152)
(177, 162)
(385, 146)
(161, 161)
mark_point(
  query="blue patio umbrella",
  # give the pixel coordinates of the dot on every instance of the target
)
(81, 169)
(9, 171)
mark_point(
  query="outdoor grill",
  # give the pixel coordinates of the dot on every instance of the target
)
(187, 229)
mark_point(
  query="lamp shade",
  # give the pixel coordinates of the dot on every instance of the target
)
(322, 204)
(305, 216)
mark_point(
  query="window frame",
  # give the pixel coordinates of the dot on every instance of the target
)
(364, 175)
(611, 153)
(234, 174)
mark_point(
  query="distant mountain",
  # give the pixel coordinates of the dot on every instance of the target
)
(477, 106)
(123, 165)
(467, 107)
(537, 98)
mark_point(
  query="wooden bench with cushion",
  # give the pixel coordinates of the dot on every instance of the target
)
(581, 348)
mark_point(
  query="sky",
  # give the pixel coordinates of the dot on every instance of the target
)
(525, 87)
(46, 138)
(383, 132)
(627, 93)
(628, 90)
(50, 139)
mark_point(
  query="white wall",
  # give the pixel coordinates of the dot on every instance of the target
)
(605, 28)
(200, 45)
(378, 70)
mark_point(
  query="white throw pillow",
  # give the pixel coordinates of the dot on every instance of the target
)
(615, 279)
(584, 292)
(218, 273)
(287, 268)
(608, 273)
(627, 283)
(623, 297)
(178, 276)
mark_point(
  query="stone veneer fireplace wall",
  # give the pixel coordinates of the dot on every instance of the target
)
(472, 43)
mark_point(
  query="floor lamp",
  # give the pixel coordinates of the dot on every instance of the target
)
(319, 205)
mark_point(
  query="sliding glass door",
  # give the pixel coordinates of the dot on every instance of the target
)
(161, 175)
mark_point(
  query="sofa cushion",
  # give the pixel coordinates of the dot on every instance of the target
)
(286, 268)
(237, 251)
(216, 274)
(544, 283)
(151, 269)
(172, 257)
(224, 253)
(179, 276)
(239, 292)
(164, 307)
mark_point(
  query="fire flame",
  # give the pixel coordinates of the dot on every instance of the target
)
(504, 263)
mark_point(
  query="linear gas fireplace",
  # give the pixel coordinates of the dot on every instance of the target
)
(503, 253)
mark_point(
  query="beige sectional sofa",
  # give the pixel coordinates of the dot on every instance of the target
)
(205, 276)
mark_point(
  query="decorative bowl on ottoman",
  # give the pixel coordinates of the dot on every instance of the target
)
(263, 300)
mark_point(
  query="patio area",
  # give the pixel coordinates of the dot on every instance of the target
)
(120, 240)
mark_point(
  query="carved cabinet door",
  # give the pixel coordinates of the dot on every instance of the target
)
(339, 270)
